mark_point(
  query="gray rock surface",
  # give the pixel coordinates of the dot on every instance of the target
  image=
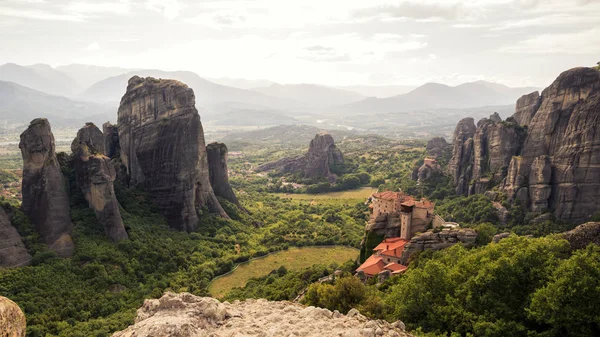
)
(111, 140)
(526, 107)
(219, 177)
(321, 156)
(461, 163)
(186, 315)
(437, 146)
(560, 159)
(45, 198)
(445, 238)
(95, 177)
(12, 250)
(163, 148)
(583, 235)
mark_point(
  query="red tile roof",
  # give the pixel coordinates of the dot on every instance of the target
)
(395, 268)
(372, 266)
(388, 195)
(391, 247)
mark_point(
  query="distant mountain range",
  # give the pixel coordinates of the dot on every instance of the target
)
(440, 96)
(79, 91)
(19, 105)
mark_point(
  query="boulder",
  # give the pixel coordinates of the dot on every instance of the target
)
(322, 155)
(219, 177)
(186, 315)
(95, 177)
(162, 147)
(12, 319)
(45, 198)
(12, 250)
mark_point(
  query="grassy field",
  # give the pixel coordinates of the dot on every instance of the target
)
(293, 259)
(354, 195)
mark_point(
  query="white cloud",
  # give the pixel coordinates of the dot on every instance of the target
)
(584, 42)
(39, 15)
(115, 7)
(169, 8)
(93, 46)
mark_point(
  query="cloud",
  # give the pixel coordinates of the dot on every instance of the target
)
(584, 42)
(413, 10)
(40, 15)
(93, 46)
(549, 20)
(169, 8)
(115, 7)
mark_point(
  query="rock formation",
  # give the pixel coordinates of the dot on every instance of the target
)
(429, 168)
(12, 319)
(162, 147)
(437, 146)
(481, 157)
(582, 235)
(526, 107)
(111, 140)
(186, 315)
(559, 165)
(322, 155)
(12, 250)
(45, 199)
(431, 240)
(95, 177)
(219, 177)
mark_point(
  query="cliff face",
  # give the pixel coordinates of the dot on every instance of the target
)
(437, 241)
(559, 167)
(526, 107)
(95, 177)
(162, 147)
(321, 156)
(12, 251)
(45, 199)
(111, 140)
(219, 177)
(482, 154)
(188, 315)
(437, 146)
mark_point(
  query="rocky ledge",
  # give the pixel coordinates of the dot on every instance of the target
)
(185, 315)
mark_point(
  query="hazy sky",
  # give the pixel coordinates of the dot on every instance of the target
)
(515, 42)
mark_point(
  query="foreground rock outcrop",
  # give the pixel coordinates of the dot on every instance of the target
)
(322, 156)
(219, 177)
(186, 315)
(95, 177)
(45, 198)
(162, 147)
(12, 319)
(12, 250)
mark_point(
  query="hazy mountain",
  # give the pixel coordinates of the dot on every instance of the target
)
(437, 96)
(40, 77)
(311, 94)
(296, 135)
(19, 105)
(379, 91)
(240, 82)
(86, 75)
(208, 94)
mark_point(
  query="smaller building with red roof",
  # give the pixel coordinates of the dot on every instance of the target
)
(386, 257)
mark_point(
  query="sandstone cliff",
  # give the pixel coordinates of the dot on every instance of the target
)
(482, 154)
(45, 199)
(559, 166)
(111, 140)
(12, 319)
(162, 147)
(95, 177)
(322, 155)
(12, 250)
(219, 177)
(186, 315)
(437, 146)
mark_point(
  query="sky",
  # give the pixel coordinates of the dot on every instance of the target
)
(330, 42)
